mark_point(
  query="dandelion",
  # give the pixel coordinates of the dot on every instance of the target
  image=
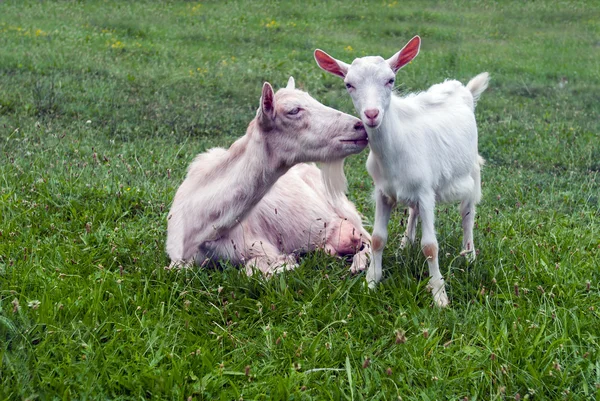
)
(349, 49)
(196, 8)
(272, 24)
(117, 44)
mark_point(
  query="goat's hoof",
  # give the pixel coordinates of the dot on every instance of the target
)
(469, 255)
(439, 294)
(359, 264)
(179, 265)
(441, 301)
(370, 285)
(285, 267)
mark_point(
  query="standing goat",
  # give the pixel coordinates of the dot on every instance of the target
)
(423, 150)
(257, 203)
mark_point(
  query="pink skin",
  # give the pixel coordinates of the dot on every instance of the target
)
(257, 203)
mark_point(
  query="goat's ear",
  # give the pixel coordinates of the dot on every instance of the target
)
(267, 105)
(291, 83)
(405, 55)
(331, 65)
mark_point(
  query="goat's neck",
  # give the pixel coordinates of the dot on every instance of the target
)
(381, 142)
(251, 169)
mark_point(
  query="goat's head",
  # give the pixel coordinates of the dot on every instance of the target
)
(299, 129)
(370, 80)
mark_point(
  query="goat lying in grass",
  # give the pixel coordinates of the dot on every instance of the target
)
(257, 203)
(423, 151)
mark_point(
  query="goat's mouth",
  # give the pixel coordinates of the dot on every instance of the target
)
(373, 124)
(362, 141)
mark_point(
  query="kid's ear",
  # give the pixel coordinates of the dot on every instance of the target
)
(291, 83)
(266, 112)
(404, 56)
(331, 65)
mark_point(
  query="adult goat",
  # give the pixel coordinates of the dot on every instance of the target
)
(257, 203)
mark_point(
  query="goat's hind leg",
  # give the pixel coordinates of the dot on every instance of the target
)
(411, 227)
(467, 211)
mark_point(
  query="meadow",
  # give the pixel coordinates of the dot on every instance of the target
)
(103, 104)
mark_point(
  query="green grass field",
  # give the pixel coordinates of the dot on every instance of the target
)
(103, 104)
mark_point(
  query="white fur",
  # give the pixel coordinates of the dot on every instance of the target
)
(423, 151)
(250, 205)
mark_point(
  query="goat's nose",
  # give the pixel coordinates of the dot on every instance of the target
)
(359, 126)
(371, 114)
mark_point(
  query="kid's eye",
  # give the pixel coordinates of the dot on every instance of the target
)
(391, 81)
(349, 86)
(294, 111)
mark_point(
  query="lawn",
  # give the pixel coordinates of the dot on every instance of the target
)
(103, 104)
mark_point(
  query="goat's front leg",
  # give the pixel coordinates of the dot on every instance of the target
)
(360, 260)
(429, 246)
(467, 211)
(383, 209)
(266, 258)
(411, 227)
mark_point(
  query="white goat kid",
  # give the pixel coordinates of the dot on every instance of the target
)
(250, 206)
(423, 151)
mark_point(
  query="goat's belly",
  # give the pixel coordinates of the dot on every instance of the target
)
(458, 189)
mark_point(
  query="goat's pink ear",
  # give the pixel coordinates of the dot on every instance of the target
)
(331, 65)
(405, 55)
(267, 103)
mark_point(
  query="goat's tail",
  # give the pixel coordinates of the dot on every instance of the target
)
(334, 179)
(477, 85)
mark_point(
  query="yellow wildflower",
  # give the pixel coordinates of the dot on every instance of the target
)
(272, 24)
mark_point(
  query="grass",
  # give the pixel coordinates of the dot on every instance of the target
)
(103, 104)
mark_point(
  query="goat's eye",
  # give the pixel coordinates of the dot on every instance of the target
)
(391, 81)
(349, 86)
(294, 111)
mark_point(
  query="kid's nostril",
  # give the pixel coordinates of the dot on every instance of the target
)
(359, 125)
(372, 113)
